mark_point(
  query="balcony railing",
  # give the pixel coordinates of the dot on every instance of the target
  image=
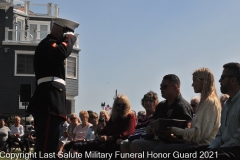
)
(5, 1)
(32, 37)
(5, 4)
(31, 8)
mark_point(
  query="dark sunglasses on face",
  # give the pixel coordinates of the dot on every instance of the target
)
(224, 76)
(121, 105)
(72, 118)
(165, 86)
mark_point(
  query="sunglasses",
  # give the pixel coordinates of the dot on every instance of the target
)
(72, 118)
(149, 100)
(121, 105)
(224, 76)
(165, 86)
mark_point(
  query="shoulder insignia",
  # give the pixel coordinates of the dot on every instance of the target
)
(54, 45)
(65, 44)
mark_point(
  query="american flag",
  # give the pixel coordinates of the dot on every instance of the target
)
(108, 108)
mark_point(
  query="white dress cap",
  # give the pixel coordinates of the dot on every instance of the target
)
(66, 23)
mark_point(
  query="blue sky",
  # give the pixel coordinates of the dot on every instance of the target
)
(129, 45)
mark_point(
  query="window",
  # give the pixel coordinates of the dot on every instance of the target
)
(20, 22)
(24, 63)
(71, 67)
(42, 29)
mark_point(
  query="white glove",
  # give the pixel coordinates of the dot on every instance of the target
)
(64, 34)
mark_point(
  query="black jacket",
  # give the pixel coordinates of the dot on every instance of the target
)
(50, 97)
(179, 109)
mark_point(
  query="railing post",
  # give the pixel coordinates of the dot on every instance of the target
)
(49, 9)
(56, 10)
(6, 33)
(23, 35)
(26, 7)
(77, 41)
(27, 35)
(14, 31)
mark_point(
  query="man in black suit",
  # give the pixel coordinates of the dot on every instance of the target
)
(48, 101)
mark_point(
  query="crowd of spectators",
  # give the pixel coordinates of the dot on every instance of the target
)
(16, 136)
(212, 122)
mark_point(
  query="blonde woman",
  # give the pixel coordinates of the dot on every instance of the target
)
(104, 115)
(120, 125)
(206, 121)
(17, 131)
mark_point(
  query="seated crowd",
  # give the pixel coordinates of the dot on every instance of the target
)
(212, 123)
(16, 136)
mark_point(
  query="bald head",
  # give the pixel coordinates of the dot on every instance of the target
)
(194, 103)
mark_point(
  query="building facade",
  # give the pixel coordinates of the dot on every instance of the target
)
(21, 29)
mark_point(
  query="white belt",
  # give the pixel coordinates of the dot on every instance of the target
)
(49, 79)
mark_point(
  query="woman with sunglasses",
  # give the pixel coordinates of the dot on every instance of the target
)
(92, 132)
(206, 121)
(122, 121)
(120, 125)
(69, 134)
(149, 103)
(79, 131)
(104, 115)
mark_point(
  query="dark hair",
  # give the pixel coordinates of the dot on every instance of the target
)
(172, 78)
(234, 69)
(89, 111)
(151, 95)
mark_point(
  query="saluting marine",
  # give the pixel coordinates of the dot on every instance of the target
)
(48, 101)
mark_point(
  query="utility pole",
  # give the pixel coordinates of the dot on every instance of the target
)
(115, 95)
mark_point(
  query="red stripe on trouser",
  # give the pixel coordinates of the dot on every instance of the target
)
(46, 134)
